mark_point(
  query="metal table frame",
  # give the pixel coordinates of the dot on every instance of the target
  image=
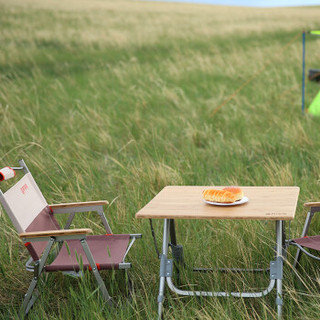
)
(276, 271)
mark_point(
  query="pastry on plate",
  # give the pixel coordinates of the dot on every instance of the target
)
(215, 195)
(236, 191)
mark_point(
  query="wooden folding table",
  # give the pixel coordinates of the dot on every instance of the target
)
(186, 202)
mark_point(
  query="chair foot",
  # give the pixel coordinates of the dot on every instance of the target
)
(73, 274)
(31, 302)
(110, 302)
(130, 288)
(29, 298)
(25, 310)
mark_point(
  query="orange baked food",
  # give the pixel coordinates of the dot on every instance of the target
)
(215, 195)
(236, 191)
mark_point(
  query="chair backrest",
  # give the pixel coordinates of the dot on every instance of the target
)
(23, 202)
(28, 210)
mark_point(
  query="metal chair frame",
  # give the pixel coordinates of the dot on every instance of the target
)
(38, 267)
(314, 208)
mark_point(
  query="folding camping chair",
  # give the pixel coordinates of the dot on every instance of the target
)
(307, 242)
(35, 221)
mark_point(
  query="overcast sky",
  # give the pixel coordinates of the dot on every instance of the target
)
(254, 3)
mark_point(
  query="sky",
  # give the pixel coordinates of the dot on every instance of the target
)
(254, 3)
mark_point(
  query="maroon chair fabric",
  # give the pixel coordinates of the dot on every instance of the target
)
(107, 250)
(312, 242)
(42, 222)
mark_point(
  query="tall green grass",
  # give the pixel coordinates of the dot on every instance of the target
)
(114, 100)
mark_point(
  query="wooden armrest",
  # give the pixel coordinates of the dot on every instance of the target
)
(78, 204)
(312, 204)
(52, 233)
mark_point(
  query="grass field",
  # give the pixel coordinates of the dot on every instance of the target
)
(116, 99)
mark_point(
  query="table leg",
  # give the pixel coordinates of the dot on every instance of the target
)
(279, 259)
(163, 261)
(173, 236)
(177, 252)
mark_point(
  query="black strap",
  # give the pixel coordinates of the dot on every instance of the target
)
(154, 239)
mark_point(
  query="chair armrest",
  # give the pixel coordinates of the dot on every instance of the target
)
(54, 233)
(135, 235)
(78, 207)
(312, 204)
(78, 204)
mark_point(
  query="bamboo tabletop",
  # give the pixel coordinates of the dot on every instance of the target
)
(186, 202)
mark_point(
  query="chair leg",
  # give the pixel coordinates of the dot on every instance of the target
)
(32, 301)
(129, 284)
(102, 287)
(29, 298)
(96, 273)
(304, 233)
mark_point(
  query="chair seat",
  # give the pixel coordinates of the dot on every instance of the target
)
(107, 250)
(312, 242)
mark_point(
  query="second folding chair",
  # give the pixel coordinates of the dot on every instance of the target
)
(305, 242)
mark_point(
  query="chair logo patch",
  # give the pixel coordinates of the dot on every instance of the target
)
(24, 188)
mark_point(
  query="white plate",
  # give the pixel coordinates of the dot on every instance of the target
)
(243, 200)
